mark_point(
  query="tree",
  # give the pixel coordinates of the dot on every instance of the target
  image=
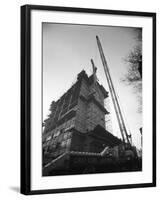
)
(134, 63)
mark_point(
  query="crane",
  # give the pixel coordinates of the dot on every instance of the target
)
(121, 123)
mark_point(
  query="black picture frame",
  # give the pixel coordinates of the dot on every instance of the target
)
(26, 97)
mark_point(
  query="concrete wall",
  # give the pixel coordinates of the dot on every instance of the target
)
(88, 114)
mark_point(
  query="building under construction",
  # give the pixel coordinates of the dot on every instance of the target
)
(75, 138)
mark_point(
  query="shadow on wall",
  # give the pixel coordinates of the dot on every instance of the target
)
(15, 188)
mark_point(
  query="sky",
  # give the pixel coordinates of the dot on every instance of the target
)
(67, 50)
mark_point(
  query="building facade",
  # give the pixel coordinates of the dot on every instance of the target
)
(77, 121)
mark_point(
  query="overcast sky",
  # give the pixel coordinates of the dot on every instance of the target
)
(67, 50)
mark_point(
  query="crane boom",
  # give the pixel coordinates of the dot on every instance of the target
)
(117, 108)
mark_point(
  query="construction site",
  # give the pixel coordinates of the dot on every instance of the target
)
(75, 136)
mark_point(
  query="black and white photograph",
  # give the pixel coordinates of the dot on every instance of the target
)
(88, 99)
(92, 99)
